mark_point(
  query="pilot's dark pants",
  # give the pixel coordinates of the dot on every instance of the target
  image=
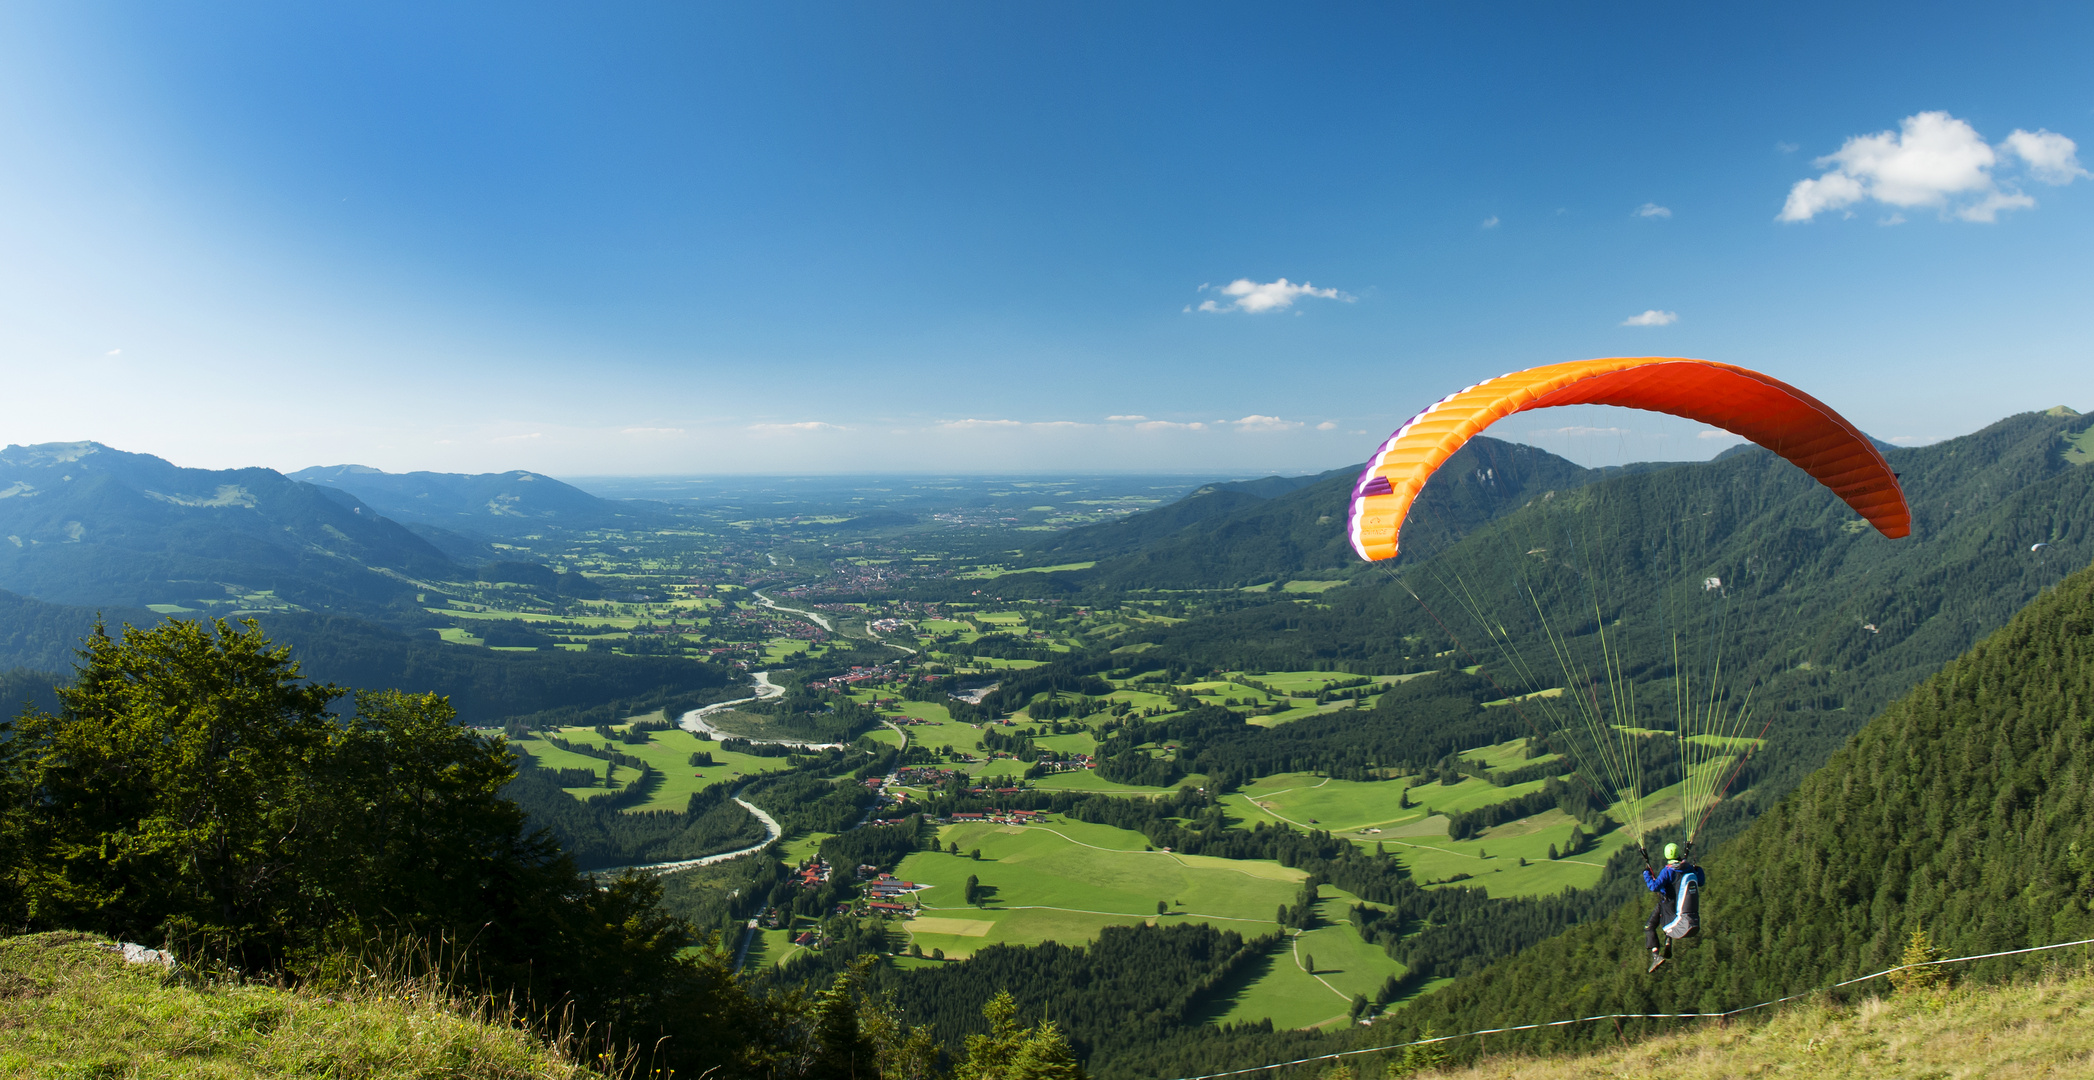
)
(1658, 919)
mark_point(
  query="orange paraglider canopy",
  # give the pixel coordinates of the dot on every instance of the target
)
(1743, 402)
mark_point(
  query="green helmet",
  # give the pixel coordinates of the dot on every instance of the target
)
(1672, 852)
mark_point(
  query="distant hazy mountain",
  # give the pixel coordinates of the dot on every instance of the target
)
(488, 503)
(83, 524)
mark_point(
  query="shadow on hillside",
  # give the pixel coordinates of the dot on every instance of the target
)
(1226, 995)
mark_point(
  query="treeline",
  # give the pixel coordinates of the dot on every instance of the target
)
(1113, 997)
(23, 690)
(600, 832)
(805, 715)
(1413, 727)
(42, 636)
(875, 845)
(669, 704)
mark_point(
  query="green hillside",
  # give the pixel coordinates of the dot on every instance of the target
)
(2033, 1030)
(1965, 810)
(76, 1008)
(1245, 534)
(85, 524)
(493, 504)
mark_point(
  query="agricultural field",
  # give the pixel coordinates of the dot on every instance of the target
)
(1371, 814)
(668, 751)
(1064, 880)
(1281, 988)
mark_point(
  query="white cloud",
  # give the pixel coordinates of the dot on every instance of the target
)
(1166, 425)
(1653, 317)
(1933, 160)
(1255, 422)
(1250, 296)
(1651, 209)
(1786, 147)
(804, 425)
(1715, 433)
(1327, 426)
(2053, 159)
(1812, 197)
(651, 431)
(1987, 209)
(1490, 222)
(1130, 418)
(972, 423)
(518, 438)
(114, 352)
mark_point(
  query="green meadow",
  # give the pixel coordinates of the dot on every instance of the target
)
(670, 754)
(1065, 880)
(1371, 813)
(1281, 987)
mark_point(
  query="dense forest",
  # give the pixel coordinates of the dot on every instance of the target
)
(601, 833)
(490, 688)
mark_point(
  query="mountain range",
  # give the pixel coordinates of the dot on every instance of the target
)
(84, 524)
(485, 504)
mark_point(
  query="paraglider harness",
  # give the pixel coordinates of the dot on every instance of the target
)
(1686, 896)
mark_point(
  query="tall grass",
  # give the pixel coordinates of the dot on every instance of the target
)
(2040, 1026)
(70, 1006)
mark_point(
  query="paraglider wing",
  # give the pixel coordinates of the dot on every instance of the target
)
(1741, 401)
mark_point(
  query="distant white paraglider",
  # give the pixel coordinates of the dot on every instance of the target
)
(2033, 547)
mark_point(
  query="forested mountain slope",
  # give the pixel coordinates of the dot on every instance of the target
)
(1826, 622)
(83, 524)
(490, 503)
(1228, 535)
(1209, 503)
(486, 686)
(45, 637)
(1965, 810)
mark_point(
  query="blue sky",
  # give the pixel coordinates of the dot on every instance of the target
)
(682, 238)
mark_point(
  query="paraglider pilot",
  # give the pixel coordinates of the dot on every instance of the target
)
(1678, 886)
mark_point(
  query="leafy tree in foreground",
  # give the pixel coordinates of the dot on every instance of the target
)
(192, 787)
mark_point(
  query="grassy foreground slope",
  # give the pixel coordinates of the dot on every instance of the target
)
(75, 1008)
(2044, 1028)
(1965, 810)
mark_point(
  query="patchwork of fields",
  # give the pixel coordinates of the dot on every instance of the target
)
(669, 752)
(1066, 880)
